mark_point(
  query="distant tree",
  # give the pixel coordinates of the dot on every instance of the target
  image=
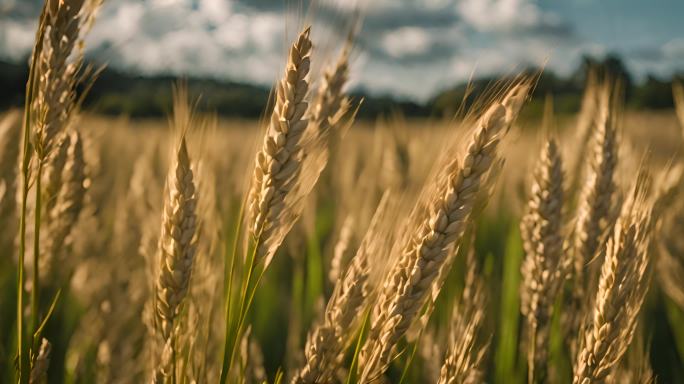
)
(653, 94)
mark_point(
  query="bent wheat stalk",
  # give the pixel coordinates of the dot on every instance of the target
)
(423, 253)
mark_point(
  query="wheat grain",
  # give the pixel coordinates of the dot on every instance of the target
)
(543, 270)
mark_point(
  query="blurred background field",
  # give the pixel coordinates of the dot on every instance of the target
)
(98, 332)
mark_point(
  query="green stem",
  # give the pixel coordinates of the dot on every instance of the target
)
(409, 361)
(359, 342)
(22, 355)
(225, 369)
(246, 304)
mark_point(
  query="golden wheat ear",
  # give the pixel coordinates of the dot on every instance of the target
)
(177, 249)
(59, 71)
(279, 162)
(597, 204)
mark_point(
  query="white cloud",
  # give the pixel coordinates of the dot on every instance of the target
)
(674, 49)
(505, 15)
(407, 41)
(16, 38)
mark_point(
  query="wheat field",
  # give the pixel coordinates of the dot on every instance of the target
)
(314, 247)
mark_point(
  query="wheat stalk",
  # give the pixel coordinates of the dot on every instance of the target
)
(624, 280)
(544, 267)
(422, 255)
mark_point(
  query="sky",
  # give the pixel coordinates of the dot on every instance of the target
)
(407, 48)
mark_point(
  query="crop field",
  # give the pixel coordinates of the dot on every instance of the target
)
(503, 244)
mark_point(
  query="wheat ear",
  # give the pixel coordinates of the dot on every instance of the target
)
(331, 103)
(424, 252)
(279, 162)
(52, 173)
(177, 248)
(624, 280)
(58, 74)
(595, 208)
(544, 267)
(596, 198)
(178, 241)
(69, 200)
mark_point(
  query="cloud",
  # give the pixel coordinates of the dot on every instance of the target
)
(410, 48)
(505, 16)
